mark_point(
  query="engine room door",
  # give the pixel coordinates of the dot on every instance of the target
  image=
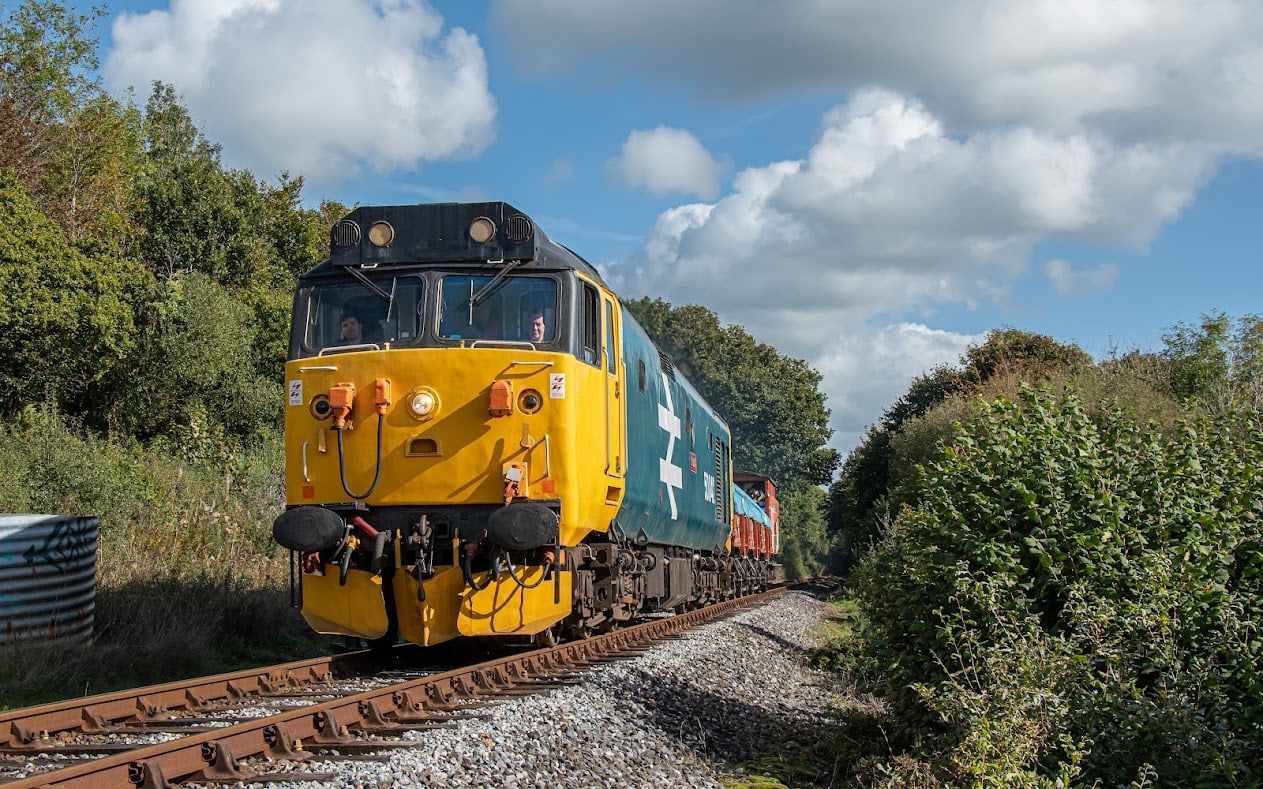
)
(615, 411)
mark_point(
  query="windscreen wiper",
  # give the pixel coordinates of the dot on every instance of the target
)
(389, 298)
(485, 291)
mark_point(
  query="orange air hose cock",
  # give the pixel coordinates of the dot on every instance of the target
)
(501, 400)
(342, 400)
(381, 395)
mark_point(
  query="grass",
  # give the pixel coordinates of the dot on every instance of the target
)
(189, 581)
(774, 772)
(163, 630)
(836, 632)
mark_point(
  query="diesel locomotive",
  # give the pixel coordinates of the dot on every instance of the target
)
(481, 441)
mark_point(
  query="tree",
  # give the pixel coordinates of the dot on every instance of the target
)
(197, 216)
(804, 544)
(1020, 353)
(67, 320)
(95, 166)
(1217, 363)
(46, 59)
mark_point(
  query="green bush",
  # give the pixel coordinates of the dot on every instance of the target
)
(1077, 594)
(67, 320)
(191, 380)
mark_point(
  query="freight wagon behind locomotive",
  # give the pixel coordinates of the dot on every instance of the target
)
(481, 441)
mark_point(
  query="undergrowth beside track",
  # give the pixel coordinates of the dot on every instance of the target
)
(189, 581)
(1069, 598)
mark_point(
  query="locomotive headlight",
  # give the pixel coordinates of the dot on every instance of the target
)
(481, 230)
(423, 403)
(381, 234)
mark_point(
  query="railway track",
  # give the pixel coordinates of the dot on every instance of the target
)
(263, 725)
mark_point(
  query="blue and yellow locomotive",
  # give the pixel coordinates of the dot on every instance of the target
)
(481, 441)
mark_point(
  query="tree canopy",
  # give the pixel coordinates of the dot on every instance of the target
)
(129, 244)
(67, 320)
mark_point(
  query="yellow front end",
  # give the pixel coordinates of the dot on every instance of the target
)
(503, 608)
(356, 609)
(459, 426)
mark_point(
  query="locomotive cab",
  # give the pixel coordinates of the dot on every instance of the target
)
(452, 306)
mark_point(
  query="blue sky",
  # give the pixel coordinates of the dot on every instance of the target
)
(868, 186)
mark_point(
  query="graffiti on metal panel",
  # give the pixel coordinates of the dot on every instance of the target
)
(66, 545)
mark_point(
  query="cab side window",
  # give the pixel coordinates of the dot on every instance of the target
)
(591, 339)
(609, 338)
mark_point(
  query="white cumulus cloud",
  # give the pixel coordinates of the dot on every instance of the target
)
(889, 216)
(667, 161)
(325, 88)
(1069, 281)
(865, 369)
(965, 134)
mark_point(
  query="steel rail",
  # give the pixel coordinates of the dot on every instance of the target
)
(214, 754)
(21, 728)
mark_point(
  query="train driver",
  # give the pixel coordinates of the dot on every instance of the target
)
(535, 326)
(352, 330)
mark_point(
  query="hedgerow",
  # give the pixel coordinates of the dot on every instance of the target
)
(1076, 597)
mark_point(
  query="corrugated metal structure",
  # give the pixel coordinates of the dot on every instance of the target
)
(47, 577)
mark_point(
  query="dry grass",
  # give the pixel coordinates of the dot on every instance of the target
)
(188, 579)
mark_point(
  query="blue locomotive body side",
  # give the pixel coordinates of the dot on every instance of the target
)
(678, 474)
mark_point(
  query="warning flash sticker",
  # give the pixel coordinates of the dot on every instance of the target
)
(557, 386)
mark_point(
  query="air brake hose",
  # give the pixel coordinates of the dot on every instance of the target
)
(379, 551)
(548, 564)
(467, 568)
(344, 566)
(377, 472)
(417, 574)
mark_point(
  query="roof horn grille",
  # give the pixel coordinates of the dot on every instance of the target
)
(346, 234)
(517, 228)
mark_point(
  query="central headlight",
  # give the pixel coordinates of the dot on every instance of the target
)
(423, 403)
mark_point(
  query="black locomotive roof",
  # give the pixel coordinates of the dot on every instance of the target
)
(440, 233)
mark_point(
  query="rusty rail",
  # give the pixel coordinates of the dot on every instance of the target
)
(215, 754)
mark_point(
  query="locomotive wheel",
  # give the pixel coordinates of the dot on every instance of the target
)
(548, 638)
